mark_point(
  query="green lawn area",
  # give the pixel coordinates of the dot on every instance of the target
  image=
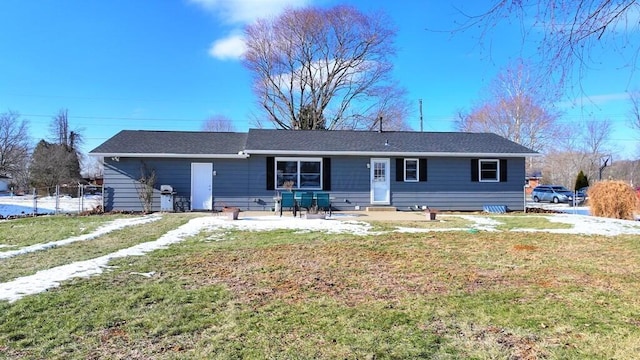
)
(42, 229)
(288, 295)
(30, 263)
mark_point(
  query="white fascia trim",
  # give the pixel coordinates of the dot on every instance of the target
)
(397, 154)
(166, 155)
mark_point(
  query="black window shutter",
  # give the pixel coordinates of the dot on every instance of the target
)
(423, 169)
(326, 174)
(271, 167)
(399, 169)
(474, 170)
(503, 170)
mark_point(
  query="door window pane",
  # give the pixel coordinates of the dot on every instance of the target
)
(379, 172)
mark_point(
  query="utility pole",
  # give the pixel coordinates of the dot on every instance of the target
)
(420, 101)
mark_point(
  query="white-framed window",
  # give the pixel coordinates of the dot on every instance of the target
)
(303, 173)
(411, 167)
(379, 171)
(489, 170)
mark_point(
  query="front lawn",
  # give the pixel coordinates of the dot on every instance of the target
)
(284, 294)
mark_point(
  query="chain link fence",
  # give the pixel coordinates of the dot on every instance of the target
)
(60, 199)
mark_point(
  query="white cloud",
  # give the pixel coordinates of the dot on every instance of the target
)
(232, 47)
(316, 73)
(247, 11)
(597, 100)
(240, 13)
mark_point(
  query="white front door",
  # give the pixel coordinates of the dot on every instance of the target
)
(380, 182)
(201, 186)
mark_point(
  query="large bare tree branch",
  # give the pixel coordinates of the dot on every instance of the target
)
(634, 112)
(320, 64)
(568, 32)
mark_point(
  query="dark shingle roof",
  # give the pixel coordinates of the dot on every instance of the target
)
(141, 142)
(346, 141)
(270, 141)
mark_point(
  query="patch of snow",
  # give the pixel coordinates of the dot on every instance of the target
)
(147, 274)
(20, 205)
(265, 223)
(482, 222)
(50, 278)
(401, 229)
(590, 225)
(46, 279)
(105, 229)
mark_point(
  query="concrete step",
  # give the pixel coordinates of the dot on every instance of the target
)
(381, 208)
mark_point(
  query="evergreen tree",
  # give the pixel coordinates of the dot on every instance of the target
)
(54, 164)
(581, 181)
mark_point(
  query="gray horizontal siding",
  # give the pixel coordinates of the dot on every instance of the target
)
(242, 183)
(449, 187)
(121, 179)
(231, 183)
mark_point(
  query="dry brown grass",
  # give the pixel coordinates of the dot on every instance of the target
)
(399, 265)
(613, 199)
(279, 294)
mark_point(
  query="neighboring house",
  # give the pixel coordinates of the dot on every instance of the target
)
(531, 182)
(209, 170)
(4, 183)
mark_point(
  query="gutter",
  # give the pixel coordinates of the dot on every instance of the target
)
(391, 153)
(239, 155)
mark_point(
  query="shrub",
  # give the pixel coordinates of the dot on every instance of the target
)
(613, 199)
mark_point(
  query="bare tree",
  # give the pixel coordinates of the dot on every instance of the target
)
(516, 109)
(626, 170)
(567, 32)
(145, 186)
(328, 64)
(14, 144)
(634, 112)
(61, 134)
(218, 123)
(596, 136)
(393, 109)
(562, 167)
(59, 127)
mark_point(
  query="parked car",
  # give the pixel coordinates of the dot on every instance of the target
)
(92, 189)
(582, 194)
(552, 193)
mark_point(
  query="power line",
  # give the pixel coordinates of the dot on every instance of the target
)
(115, 118)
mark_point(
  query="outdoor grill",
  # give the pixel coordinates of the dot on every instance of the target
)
(166, 198)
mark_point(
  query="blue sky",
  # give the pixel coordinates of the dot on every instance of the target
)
(169, 65)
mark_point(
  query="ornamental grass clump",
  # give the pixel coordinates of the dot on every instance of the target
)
(613, 199)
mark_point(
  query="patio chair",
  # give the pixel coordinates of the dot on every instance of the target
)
(323, 202)
(306, 201)
(288, 201)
